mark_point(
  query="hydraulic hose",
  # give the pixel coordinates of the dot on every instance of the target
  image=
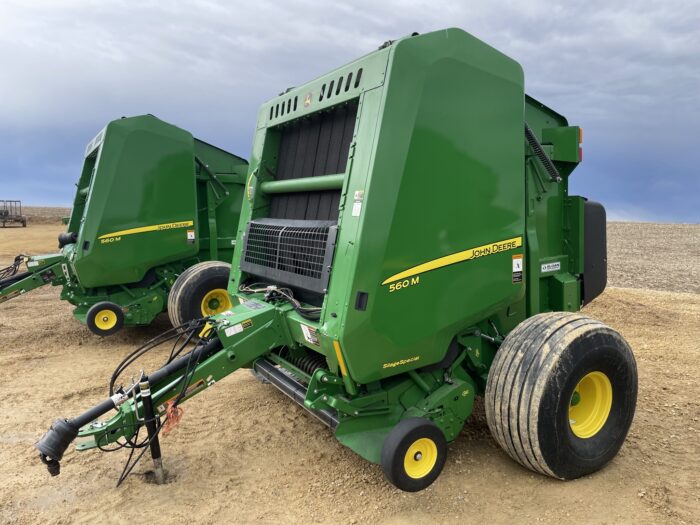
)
(58, 438)
(10, 272)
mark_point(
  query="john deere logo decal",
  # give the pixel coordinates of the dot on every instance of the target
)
(108, 238)
(307, 100)
(447, 260)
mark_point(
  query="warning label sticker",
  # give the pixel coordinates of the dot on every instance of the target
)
(190, 236)
(238, 328)
(518, 268)
(310, 335)
(357, 204)
(253, 305)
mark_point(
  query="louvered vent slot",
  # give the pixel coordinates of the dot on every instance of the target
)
(328, 93)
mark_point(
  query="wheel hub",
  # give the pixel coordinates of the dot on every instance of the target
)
(215, 301)
(105, 319)
(420, 458)
(590, 404)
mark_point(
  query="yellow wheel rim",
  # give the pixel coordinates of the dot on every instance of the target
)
(215, 302)
(105, 319)
(420, 458)
(590, 404)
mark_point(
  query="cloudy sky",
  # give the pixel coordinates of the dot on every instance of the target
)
(627, 71)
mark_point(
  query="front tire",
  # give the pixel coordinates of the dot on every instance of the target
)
(561, 394)
(199, 291)
(414, 454)
(104, 318)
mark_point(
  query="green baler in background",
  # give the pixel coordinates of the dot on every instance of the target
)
(155, 210)
(407, 243)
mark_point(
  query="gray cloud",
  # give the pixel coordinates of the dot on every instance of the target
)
(629, 73)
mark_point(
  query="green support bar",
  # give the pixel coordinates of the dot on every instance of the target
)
(324, 182)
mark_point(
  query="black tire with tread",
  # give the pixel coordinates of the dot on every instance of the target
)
(396, 444)
(191, 286)
(98, 307)
(530, 385)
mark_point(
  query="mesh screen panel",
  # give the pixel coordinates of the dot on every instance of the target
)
(292, 252)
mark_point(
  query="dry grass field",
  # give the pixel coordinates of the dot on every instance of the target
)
(243, 453)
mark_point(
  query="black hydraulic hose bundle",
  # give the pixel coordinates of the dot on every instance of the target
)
(152, 422)
(276, 293)
(8, 275)
(54, 443)
(187, 330)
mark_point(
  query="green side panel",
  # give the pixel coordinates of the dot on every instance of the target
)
(444, 175)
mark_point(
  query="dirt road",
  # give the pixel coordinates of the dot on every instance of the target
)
(243, 453)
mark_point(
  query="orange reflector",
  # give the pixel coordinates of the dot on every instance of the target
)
(339, 356)
(580, 135)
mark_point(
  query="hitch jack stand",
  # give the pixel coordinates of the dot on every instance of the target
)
(152, 429)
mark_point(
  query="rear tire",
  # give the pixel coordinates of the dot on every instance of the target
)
(561, 394)
(414, 454)
(104, 318)
(199, 291)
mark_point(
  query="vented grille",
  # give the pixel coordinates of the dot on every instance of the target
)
(296, 253)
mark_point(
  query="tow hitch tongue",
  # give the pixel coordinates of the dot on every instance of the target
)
(141, 405)
(54, 443)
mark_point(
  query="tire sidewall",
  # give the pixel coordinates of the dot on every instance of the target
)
(567, 455)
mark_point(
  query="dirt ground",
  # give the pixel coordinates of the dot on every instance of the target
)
(243, 453)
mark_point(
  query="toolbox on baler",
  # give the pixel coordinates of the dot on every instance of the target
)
(407, 243)
(152, 202)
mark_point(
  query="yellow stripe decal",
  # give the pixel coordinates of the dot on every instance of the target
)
(153, 228)
(339, 356)
(466, 255)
